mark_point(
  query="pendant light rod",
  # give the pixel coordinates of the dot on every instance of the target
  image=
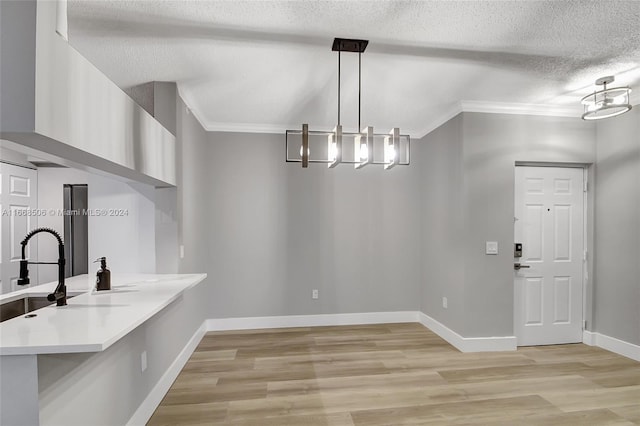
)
(359, 86)
(350, 45)
(339, 87)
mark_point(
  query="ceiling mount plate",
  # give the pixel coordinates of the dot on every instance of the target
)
(349, 45)
(605, 80)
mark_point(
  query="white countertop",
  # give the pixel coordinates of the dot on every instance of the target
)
(91, 321)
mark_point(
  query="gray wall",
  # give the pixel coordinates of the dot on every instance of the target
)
(193, 200)
(165, 105)
(442, 194)
(617, 230)
(277, 231)
(158, 98)
(166, 230)
(165, 110)
(268, 232)
(493, 143)
(491, 146)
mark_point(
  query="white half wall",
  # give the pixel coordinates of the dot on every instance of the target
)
(109, 387)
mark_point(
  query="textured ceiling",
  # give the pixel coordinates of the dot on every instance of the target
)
(268, 65)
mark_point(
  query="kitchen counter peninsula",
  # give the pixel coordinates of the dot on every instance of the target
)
(47, 356)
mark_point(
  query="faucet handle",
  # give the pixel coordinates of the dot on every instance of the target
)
(24, 273)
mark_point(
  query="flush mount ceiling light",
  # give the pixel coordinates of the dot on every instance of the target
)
(607, 102)
(308, 146)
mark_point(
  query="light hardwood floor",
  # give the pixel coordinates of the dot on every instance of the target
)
(393, 374)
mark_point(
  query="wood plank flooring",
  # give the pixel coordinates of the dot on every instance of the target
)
(394, 374)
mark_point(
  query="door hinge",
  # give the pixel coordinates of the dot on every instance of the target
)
(584, 324)
(585, 185)
(584, 256)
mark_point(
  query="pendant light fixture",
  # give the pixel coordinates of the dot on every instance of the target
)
(389, 149)
(607, 102)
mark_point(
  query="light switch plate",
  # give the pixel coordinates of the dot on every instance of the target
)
(491, 247)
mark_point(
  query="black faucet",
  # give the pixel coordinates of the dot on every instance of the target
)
(60, 293)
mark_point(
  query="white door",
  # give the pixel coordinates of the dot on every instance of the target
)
(18, 202)
(549, 222)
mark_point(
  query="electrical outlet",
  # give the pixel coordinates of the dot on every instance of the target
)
(143, 361)
(445, 302)
(181, 252)
(314, 293)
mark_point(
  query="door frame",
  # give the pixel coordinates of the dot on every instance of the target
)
(588, 234)
(34, 249)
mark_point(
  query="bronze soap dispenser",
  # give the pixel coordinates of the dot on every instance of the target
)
(103, 277)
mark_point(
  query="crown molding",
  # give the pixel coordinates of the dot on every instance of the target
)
(521, 108)
(190, 110)
(250, 127)
(455, 109)
(447, 115)
(232, 127)
(500, 108)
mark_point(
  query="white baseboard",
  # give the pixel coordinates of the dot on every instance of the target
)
(589, 338)
(464, 344)
(612, 344)
(250, 323)
(468, 344)
(151, 402)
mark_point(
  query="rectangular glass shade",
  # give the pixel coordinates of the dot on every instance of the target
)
(392, 149)
(334, 147)
(321, 141)
(318, 152)
(362, 147)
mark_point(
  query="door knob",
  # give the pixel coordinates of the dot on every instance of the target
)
(518, 266)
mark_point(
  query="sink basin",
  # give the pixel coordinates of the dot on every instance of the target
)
(15, 308)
